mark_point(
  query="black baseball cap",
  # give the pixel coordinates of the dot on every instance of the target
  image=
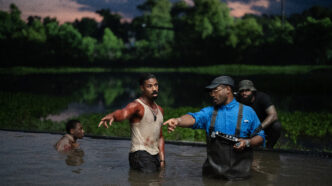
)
(221, 80)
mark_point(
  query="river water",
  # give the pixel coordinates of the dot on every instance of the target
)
(30, 159)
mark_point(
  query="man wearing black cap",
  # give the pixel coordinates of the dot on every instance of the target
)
(264, 108)
(230, 130)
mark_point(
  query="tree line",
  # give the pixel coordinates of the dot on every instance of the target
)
(168, 34)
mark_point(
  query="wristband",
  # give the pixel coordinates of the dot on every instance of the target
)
(179, 120)
(247, 143)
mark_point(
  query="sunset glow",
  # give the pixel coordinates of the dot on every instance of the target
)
(239, 9)
(69, 10)
(63, 10)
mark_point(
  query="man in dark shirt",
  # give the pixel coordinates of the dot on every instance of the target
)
(264, 109)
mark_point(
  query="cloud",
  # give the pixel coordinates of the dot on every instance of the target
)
(69, 10)
(189, 2)
(240, 8)
(272, 7)
(63, 10)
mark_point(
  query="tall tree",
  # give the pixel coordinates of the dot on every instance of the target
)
(210, 17)
(88, 48)
(314, 38)
(11, 22)
(156, 28)
(111, 46)
(86, 26)
(35, 32)
(205, 29)
(67, 41)
(113, 22)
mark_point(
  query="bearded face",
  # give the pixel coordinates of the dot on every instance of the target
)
(246, 97)
(150, 88)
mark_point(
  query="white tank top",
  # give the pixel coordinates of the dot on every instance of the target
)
(145, 134)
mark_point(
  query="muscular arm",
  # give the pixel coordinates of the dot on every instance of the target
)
(271, 116)
(132, 109)
(183, 121)
(256, 141)
(161, 149)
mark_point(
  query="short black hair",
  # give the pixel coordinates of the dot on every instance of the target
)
(145, 77)
(71, 124)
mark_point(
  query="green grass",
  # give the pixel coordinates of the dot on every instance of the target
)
(236, 70)
(306, 124)
(27, 112)
(210, 70)
(58, 70)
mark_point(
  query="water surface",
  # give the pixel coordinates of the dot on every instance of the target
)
(30, 159)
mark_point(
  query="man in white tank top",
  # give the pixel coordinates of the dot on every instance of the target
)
(146, 119)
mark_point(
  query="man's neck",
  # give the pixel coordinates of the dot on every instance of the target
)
(147, 101)
(229, 99)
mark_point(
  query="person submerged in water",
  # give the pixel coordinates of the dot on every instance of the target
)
(68, 142)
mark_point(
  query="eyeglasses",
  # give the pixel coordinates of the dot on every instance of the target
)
(215, 91)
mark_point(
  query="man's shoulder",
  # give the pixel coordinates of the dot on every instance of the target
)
(135, 103)
(208, 109)
(263, 98)
(248, 109)
(261, 95)
(63, 143)
(66, 138)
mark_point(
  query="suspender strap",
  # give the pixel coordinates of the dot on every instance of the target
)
(238, 124)
(213, 119)
(239, 119)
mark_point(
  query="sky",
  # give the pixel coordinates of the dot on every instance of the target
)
(69, 10)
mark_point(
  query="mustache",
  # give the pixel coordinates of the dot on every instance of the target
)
(154, 92)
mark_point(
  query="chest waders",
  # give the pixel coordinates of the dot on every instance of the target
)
(222, 160)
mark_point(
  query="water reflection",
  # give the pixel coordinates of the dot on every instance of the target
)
(30, 159)
(114, 90)
(75, 157)
(137, 178)
(266, 167)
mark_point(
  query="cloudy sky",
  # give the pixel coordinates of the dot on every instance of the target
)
(69, 10)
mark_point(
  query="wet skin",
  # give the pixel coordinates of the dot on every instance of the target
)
(134, 111)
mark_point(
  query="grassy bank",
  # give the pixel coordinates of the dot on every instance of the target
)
(210, 70)
(28, 112)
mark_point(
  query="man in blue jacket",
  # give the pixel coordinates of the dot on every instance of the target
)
(230, 130)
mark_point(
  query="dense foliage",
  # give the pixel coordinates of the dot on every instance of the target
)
(28, 112)
(170, 33)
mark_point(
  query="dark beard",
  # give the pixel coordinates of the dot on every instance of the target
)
(246, 101)
(155, 97)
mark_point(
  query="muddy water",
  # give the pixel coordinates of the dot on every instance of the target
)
(30, 159)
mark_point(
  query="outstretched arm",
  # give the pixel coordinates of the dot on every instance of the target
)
(119, 115)
(183, 121)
